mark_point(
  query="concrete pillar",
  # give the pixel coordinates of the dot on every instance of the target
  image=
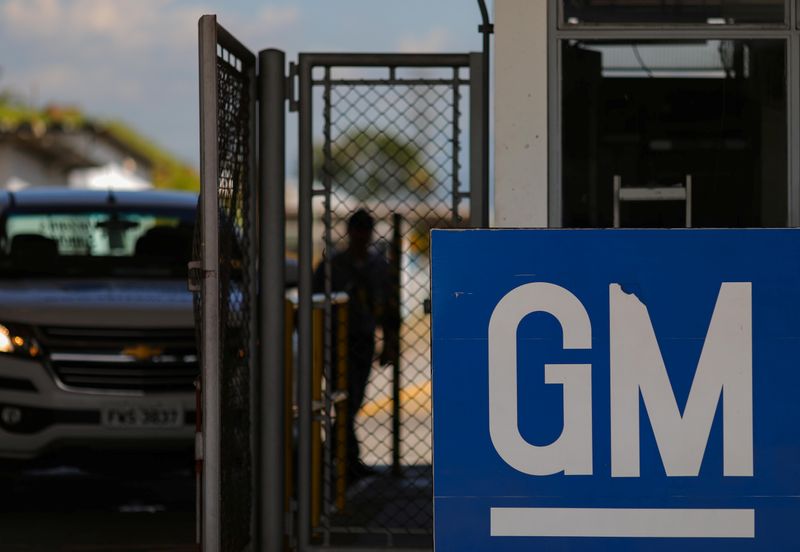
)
(520, 111)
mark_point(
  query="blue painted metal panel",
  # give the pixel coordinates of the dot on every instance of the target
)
(677, 275)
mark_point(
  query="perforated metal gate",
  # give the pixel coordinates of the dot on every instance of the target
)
(227, 287)
(388, 136)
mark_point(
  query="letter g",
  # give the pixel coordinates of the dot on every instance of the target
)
(572, 451)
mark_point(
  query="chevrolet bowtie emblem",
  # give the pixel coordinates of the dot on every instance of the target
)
(142, 352)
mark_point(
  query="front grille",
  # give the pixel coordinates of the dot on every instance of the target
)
(149, 360)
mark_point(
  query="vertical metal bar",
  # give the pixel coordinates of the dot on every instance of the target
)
(794, 16)
(198, 458)
(395, 268)
(456, 147)
(688, 201)
(252, 197)
(478, 121)
(328, 320)
(793, 120)
(288, 412)
(555, 206)
(617, 186)
(255, 198)
(305, 290)
(210, 540)
(272, 247)
(487, 28)
(318, 318)
(341, 406)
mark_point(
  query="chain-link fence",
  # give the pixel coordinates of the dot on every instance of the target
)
(391, 163)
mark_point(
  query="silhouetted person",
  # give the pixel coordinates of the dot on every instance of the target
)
(362, 274)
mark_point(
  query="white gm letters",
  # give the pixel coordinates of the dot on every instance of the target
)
(724, 372)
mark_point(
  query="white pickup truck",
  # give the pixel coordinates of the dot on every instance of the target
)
(97, 342)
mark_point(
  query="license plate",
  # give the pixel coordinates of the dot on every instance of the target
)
(135, 416)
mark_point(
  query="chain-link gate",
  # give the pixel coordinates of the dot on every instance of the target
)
(386, 146)
(326, 441)
(227, 288)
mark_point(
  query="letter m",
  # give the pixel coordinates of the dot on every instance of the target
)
(725, 368)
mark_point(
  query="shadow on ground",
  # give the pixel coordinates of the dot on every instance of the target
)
(65, 509)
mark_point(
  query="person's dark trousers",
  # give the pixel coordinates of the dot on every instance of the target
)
(360, 354)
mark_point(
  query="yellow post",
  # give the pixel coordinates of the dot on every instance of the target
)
(316, 426)
(288, 413)
(341, 407)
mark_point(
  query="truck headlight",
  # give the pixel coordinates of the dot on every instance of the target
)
(16, 341)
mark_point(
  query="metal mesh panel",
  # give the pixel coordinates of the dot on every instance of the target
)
(195, 281)
(235, 279)
(392, 148)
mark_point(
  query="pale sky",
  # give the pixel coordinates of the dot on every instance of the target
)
(136, 60)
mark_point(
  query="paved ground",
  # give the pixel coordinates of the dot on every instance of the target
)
(374, 424)
(386, 509)
(66, 510)
(394, 508)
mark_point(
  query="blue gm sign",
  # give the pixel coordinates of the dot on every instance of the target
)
(623, 390)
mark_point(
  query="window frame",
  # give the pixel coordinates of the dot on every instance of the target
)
(788, 14)
(557, 33)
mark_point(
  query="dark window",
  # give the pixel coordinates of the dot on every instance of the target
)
(720, 12)
(652, 113)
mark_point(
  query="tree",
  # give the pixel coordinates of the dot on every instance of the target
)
(373, 164)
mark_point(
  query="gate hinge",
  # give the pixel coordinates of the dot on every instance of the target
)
(198, 446)
(289, 520)
(195, 276)
(294, 102)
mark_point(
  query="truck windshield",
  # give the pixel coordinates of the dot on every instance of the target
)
(96, 243)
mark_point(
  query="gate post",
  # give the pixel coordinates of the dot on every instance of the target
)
(305, 291)
(478, 136)
(272, 243)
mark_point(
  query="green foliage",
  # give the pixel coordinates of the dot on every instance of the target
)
(14, 113)
(374, 164)
(168, 171)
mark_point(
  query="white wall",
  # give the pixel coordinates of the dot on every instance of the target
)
(520, 111)
(103, 153)
(19, 166)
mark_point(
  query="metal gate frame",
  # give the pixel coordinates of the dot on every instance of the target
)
(264, 184)
(271, 523)
(217, 45)
(479, 217)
